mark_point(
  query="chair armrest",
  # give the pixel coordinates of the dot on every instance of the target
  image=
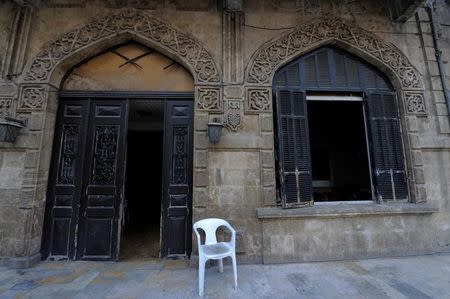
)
(233, 235)
(199, 241)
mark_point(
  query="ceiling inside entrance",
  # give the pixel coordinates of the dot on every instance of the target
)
(146, 115)
(130, 67)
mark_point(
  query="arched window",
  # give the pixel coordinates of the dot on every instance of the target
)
(338, 131)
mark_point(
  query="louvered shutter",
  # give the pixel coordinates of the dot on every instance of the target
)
(293, 149)
(388, 162)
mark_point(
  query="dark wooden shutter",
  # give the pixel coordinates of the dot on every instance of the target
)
(177, 178)
(387, 158)
(65, 181)
(293, 148)
(102, 198)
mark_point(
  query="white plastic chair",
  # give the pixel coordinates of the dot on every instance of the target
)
(213, 250)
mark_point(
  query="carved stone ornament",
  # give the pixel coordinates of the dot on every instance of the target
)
(194, 54)
(289, 45)
(5, 107)
(233, 116)
(415, 103)
(32, 97)
(258, 100)
(209, 99)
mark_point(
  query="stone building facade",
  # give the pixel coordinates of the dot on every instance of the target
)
(232, 50)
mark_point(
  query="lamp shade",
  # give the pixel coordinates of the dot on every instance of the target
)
(9, 129)
(214, 131)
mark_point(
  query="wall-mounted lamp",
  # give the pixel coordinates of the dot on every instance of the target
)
(9, 128)
(214, 130)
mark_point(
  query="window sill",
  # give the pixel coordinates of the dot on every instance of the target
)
(342, 209)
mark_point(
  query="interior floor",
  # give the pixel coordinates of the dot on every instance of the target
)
(340, 166)
(141, 231)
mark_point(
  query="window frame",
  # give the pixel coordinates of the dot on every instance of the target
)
(363, 100)
(360, 90)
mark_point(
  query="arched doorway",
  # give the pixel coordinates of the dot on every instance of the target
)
(120, 181)
(338, 131)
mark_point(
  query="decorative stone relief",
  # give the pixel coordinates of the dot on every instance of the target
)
(273, 54)
(32, 97)
(415, 103)
(5, 107)
(233, 116)
(258, 100)
(209, 99)
(187, 48)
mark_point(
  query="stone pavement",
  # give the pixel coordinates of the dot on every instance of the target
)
(406, 277)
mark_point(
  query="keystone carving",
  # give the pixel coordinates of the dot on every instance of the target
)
(166, 37)
(5, 107)
(233, 118)
(289, 45)
(209, 99)
(415, 103)
(32, 98)
(258, 100)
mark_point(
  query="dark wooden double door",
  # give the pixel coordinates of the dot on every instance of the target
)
(85, 196)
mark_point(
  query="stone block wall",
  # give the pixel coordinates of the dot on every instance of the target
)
(235, 177)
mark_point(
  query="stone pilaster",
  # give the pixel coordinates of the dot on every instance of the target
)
(18, 42)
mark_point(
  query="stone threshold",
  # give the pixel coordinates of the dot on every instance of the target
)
(339, 210)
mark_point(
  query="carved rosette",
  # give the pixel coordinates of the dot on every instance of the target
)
(185, 47)
(6, 107)
(233, 114)
(415, 103)
(32, 97)
(209, 99)
(258, 99)
(273, 54)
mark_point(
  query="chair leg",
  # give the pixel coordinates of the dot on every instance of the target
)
(221, 265)
(201, 277)
(233, 257)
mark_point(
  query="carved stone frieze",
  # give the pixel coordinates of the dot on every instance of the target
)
(233, 114)
(190, 51)
(415, 102)
(6, 107)
(209, 99)
(289, 45)
(32, 97)
(258, 99)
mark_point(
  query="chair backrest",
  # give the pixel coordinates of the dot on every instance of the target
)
(209, 226)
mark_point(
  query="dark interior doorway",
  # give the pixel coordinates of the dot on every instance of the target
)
(340, 166)
(143, 187)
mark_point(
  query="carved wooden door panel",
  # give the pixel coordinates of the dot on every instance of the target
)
(65, 180)
(177, 179)
(103, 175)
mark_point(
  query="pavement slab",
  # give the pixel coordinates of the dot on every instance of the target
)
(404, 277)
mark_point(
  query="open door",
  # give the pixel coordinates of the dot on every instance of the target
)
(177, 178)
(65, 180)
(103, 181)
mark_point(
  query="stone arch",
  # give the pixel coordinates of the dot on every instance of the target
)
(383, 55)
(39, 85)
(110, 30)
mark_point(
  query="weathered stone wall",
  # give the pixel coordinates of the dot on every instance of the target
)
(236, 176)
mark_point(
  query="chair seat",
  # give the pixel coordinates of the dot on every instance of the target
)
(218, 250)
